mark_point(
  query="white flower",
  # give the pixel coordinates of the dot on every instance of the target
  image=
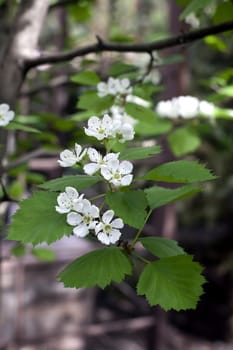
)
(114, 87)
(107, 230)
(206, 108)
(123, 131)
(137, 100)
(66, 200)
(85, 220)
(187, 106)
(5, 114)
(118, 114)
(97, 160)
(167, 109)
(192, 20)
(69, 158)
(183, 106)
(118, 173)
(99, 128)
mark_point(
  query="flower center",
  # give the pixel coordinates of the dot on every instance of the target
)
(117, 176)
(87, 219)
(107, 228)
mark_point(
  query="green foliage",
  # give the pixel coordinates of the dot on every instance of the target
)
(223, 12)
(18, 250)
(97, 104)
(183, 141)
(119, 68)
(172, 282)
(86, 78)
(129, 205)
(78, 181)
(226, 91)
(21, 127)
(16, 190)
(36, 220)
(156, 127)
(158, 196)
(139, 112)
(99, 267)
(44, 254)
(139, 152)
(181, 171)
(195, 6)
(162, 247)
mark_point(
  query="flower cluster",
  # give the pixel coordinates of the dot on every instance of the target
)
(192, 20)
(109, 127)
(114, 87)
(85, 217)
(114, 171)
(186, 107)
(6, 115)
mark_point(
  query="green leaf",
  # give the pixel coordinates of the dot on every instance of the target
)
(17, 126)
(216, 43)
(87, 77)
(158, 196)
(36, 220)
(99, 267)
(194, 6)
(139, 112)
(183, 140)
(130, 206)
(18, 250)
(90, 100)
(223, 12)
(119, 68)
(172, 282)
(181, 171)
(226, 91)
(139, 152)
(44, 254)
(157, 127)
(78, 181)
(162, 247)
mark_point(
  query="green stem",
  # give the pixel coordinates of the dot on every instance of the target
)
(97, 197)
(141, 258)
(140, 230)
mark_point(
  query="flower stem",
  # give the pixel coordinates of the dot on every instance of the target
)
(141, 258)
(97, 197)
(140, 230)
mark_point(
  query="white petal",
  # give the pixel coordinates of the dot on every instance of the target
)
(62, 210)
(113, 165)
(4, 108)
(107, 122)
(114, 236)
(93, 154)
(105, 172)
(65, 164)
(74, 219)
(10, 115)
(107, 216)
(81, 230)
(117, 223)
(93, 122)
(94, 211)
(72, 193)
(125, 167)
(91, 168)
(86, 206)
(111, 156)
(99, 227)
(63, 199)
(126, 180)
(103, 238)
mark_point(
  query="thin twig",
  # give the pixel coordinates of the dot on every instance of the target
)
(102, 46)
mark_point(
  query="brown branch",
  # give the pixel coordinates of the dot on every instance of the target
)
(101, 46)
(62, 3)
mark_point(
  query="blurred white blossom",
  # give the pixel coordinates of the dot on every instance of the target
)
(192, 20)
(6, 115)
(185, 107)
(114, 87)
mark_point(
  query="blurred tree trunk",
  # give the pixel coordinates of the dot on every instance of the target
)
(176, 79)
